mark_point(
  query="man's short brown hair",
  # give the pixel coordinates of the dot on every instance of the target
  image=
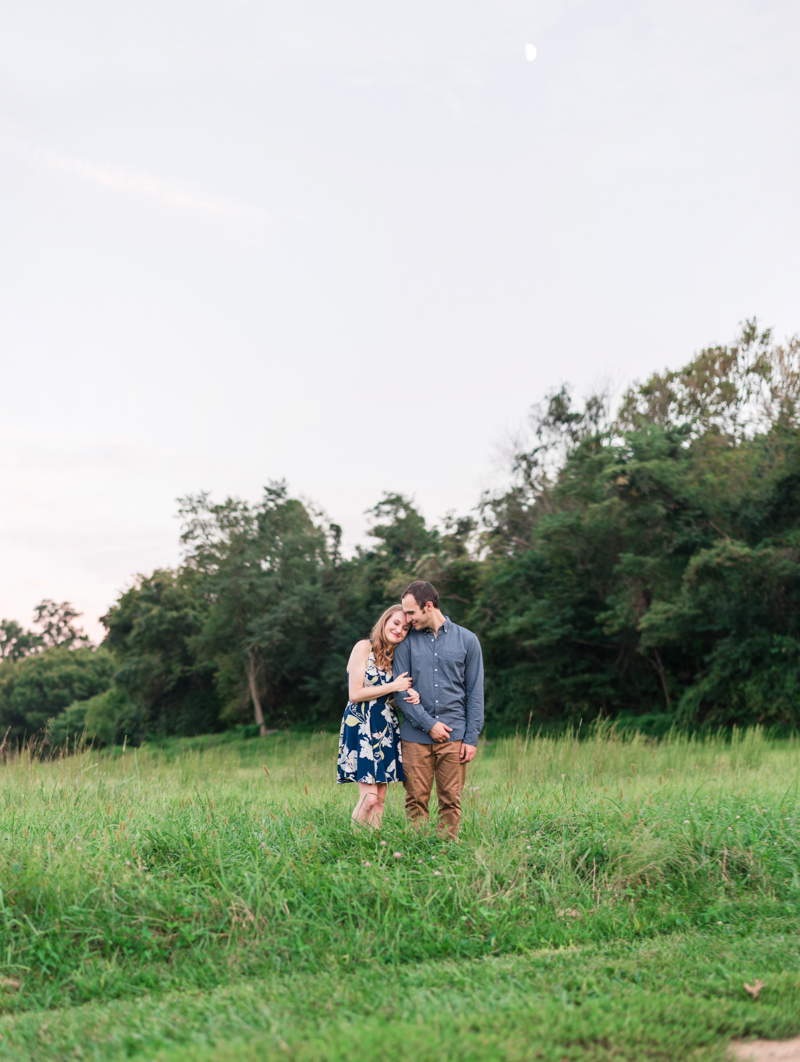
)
(422, 593)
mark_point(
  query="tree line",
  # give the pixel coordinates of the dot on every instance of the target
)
(642, 565)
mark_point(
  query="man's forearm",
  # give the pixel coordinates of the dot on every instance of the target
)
(474, 691)
(473, 729)
(474, 714)
(417, 715)
(472, 726)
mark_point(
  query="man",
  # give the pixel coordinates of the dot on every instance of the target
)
(440, 734)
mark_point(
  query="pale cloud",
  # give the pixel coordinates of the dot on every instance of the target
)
(141, 185)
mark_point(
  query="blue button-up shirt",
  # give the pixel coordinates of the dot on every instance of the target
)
(447, 673)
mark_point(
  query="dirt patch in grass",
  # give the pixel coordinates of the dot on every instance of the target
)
(767, 1050)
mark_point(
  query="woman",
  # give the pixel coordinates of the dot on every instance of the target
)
(369, 740)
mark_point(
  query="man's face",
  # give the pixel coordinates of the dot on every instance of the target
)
(421, 619)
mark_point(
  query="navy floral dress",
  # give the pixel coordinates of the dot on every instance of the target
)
(369, 741)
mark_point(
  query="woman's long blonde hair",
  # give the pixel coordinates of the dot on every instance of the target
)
(383, 650)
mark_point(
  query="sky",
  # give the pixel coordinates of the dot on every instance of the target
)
(350, 245)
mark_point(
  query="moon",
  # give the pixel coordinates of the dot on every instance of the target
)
(530, 52)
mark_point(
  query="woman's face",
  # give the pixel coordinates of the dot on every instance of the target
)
(396, 627)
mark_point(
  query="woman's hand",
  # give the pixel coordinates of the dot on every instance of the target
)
(413, 697)
(401, 683)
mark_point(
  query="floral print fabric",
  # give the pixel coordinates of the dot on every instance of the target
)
(369, 739)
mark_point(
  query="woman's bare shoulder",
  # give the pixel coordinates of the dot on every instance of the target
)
(361, 650)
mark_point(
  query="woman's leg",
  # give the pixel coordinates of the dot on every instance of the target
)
(365, 808)
(377, 814)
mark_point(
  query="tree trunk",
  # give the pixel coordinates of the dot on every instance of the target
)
(252, 671)
(662, 675)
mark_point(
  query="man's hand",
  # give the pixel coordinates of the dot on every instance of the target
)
(441, 732)
(467, 752)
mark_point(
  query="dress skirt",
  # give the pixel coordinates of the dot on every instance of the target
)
(369, 744)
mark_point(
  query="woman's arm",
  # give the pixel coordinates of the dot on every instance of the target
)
(356, 671)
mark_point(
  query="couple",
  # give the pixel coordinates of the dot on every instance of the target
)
(442, 713)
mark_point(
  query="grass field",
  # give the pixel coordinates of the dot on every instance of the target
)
(207, 899)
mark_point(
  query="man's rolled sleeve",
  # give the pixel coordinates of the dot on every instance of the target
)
(473, 680)
(415, 713)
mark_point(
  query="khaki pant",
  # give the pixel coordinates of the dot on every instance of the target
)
(423, 763)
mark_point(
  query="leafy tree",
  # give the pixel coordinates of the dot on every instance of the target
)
(106, 719)
(56, 623)
(402, 538)
(270, 608)
(15, 641)
(151, 630)
(736, 391)
(38, 688)
(619, 581)
(56, 627)
(738, 616)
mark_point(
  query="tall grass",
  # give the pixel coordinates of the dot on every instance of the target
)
(192, 863)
